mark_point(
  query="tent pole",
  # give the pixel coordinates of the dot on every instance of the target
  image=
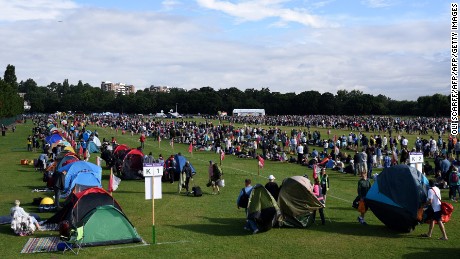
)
(153, 211)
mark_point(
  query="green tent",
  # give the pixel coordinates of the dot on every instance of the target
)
(297, 202)
(106, 225)
(262, 208)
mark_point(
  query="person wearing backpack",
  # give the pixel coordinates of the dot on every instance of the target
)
(454, 183)
(242, 202)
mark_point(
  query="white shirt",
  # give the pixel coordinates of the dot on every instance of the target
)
(435, 202)
(300, 149)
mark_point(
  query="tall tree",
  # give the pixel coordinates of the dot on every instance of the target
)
(10, 77)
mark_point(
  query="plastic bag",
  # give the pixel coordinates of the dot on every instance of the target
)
(362, 207)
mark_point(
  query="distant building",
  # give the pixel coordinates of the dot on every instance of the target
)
(26, 103)
(118, 87)
(248, 112)
(164, 89)
(160, 89)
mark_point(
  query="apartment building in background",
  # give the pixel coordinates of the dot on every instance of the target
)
(120, 88)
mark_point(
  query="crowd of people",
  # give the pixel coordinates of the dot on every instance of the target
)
(373, 142)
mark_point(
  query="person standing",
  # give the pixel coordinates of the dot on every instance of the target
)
(363, 187)
(215, 178)
(454, 183)
(242, 202)
(299, 153)
(356, 162)
(272, 187)
(319, 194)
(29, 143)
(186, 173)
(58, 186)
(386, 161)
(434, 203)
(171, 168)
(324, 183)
(142, 140)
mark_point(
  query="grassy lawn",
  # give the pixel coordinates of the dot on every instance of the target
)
(212, 226)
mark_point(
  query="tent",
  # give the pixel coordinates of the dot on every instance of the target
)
(65, 159)
(107, 225)
(263, 208)
(396, 196)
(180, 163)
(133, 165)
(77, 205)
(92, 147)
(297, 202)
(53, 138)
(97, 141)
(119, 154)
(81, 174)
(86, 135)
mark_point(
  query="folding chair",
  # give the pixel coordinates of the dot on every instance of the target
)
(73, 241)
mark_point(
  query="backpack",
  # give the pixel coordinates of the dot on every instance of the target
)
(244, 200)
(197, 191)
(453, 177)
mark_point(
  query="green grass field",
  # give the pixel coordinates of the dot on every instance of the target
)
(212, 226)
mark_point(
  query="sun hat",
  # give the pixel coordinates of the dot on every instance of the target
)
(271, 177)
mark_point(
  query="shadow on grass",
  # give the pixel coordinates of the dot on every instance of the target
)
(433, 252)
(30, 170)
(356, 229)
(127, 192)
(221, 227)
(19, 149)
(6, 230)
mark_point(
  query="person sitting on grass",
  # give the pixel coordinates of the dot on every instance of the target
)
(22, 223)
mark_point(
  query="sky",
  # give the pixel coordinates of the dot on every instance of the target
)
(398, 48)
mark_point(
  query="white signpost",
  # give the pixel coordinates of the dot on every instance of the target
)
(416, 160)
(151, 173)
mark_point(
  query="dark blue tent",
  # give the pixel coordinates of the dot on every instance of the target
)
(180, 163)
(53, 138)
(396, 196)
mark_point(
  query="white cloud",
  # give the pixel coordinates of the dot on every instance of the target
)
(401, 61)
(34, 10)
(170, 4)
(257, 10)
(378, 3)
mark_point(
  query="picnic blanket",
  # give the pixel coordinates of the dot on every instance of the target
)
(7, 219)
(40, 245)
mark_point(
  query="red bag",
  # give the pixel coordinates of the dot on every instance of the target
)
(446, 208)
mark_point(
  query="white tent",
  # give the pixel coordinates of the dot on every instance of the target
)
(97, 141)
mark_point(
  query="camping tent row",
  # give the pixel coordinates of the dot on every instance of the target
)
(295, 207)
(97, 217)
(93, 143)
(395, 198)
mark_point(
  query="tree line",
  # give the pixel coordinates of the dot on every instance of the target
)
(206, 100)
(11, 103)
